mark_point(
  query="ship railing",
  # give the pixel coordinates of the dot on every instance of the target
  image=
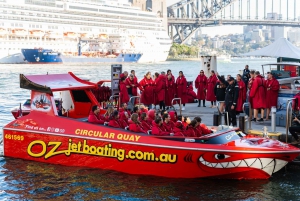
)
(289, 111)
(176, 99)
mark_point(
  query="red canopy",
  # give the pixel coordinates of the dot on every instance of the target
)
(55, 82)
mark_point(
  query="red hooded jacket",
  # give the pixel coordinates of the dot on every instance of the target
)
(94, 119)
(159, 130)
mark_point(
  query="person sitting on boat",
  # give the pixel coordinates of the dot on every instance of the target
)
(136, 110)
(124, 97)
(109, 111)
(186, 121)
(202, 128)
(151, 116)
(159, 129)
(124, 109)
(191, 130)
(173, 116)
(295, 130)
(115, 121)
(123, 119)
(144, 121)
(135, 125)
(94, 116)
(179, 128)
(168, 124)
(142, 109)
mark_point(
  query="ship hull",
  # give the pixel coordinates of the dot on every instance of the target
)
(41, 56)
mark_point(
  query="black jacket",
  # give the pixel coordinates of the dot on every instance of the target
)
(220, 89)
(232, 94)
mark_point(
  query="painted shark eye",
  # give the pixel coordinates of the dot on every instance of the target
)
(221, 156)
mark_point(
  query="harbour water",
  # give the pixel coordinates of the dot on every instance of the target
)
(27, 180)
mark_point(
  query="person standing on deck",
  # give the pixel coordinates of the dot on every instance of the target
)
(242, 94)
(272, 89)
(246, 75)
(231, 97)
(170, 90)
(201, 84)
(211, 83)
(146, 88)
(181, 89)
(258, 95)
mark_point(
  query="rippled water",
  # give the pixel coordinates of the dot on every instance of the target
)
(27, 180)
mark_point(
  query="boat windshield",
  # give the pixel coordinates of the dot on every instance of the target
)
(224, 138)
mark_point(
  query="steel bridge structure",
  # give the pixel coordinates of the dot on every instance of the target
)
(187, 16)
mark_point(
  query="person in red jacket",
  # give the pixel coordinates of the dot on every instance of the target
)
(132, 85)
(249, 86)
(211, 83)
(167, 123)
(160, 90)
(124, 97)
(151, 116)
(123, 108)
(158, 128)
(173, 116)
(135, 125)
(124, 115)
(191, 95)
(94, 117)
(201, 84)
(258, 95)
(146, 88)
(191, 130)
(272, 89)
(170, 90)
(181, 89)
(107, 116)
(178, 127)
(155, 98)
(115, 121)
(242, 94)
(202, 128)
(144, 122)
(169, 72)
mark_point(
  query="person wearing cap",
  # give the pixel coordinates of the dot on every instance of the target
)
(201, 84)
(272, 89)
(211, 83)
(231, 97)
(258, 96)
(246, 75)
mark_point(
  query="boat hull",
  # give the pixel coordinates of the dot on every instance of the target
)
(127, 156)
(17, 58)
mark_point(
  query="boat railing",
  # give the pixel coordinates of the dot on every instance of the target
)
(174, 99)
(135, 97)
(113, 98)
(250, 114)
(289, 111)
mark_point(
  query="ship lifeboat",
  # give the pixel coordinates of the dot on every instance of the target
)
(3, 32)
(51, 34)
(36, 33)
(103, 36)
(19, 32)
(70, 34)
(86, 35)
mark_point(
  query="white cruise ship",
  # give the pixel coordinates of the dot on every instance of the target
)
(100, 26)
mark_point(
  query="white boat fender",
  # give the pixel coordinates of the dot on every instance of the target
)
(189, 140)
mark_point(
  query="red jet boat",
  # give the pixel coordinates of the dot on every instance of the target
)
(66, 138)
